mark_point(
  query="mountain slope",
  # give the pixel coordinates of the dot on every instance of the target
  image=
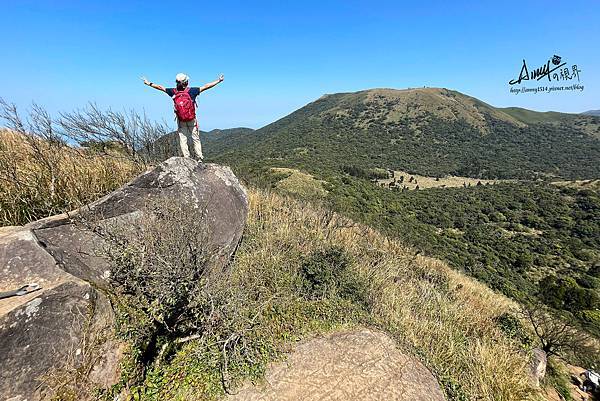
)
(529, 240)
(428, 131)
(302, 270)
(532, 117)
(592, 112)
(217, 134)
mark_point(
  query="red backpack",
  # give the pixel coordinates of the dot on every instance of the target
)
(185, 109)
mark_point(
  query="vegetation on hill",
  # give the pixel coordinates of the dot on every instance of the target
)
(302, 270)
(531, 241)
(217, 134)
(513, 236)
(532, 117)
(526, 240)
(40, 178)
(581, 121)
(432, 132)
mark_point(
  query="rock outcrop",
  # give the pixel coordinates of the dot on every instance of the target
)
(48, 335)
(538, 366)
(358, 365)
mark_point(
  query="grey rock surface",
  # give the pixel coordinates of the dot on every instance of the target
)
(43, 333)
(69, 323)
(358, 365)
(212, 190)
(538, 365)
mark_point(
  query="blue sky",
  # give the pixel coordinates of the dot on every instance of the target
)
(277, 57)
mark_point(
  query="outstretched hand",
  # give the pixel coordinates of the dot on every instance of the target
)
(221, 78)
(146, 82)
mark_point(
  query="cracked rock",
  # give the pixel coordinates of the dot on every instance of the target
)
(69, 323)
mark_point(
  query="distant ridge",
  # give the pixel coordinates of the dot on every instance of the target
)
(531, 117)
(592, 113)
(228, 131)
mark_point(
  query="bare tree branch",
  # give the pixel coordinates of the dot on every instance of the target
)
(558, 336)
(135, 134)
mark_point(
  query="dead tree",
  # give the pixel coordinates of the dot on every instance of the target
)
(40, 133)
(558, 336)
(135, 134)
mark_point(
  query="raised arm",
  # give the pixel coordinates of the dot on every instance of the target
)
(212, 84)
(153, 85)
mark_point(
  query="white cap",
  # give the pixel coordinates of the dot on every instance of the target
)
(181, 77)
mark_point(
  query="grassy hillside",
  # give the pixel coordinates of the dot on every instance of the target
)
(520, 239)
(523, 239)
(532, 117)
(302, 270)
(432, 132)
(526, 239)
(216, 135)
(581, 121)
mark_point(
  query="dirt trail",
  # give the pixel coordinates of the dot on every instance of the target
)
(359, 365)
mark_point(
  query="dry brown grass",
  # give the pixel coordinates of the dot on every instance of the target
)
(417, 103)
(299, 183)
(424, 182)
(437, 313)
(593, 185)
(39, 178)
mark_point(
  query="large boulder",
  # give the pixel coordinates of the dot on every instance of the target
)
(48, 336)
(41, 331)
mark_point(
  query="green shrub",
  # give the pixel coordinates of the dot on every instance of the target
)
(512, 327)
(323, 271)
(327, 273)
(591, 319)
(161, 260)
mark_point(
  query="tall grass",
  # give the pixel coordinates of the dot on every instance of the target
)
(39, 178)
(443, 316)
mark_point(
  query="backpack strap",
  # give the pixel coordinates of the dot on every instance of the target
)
(187, 90)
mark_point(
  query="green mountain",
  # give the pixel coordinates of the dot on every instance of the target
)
(429, 131)
(530, 239)
(592, 112)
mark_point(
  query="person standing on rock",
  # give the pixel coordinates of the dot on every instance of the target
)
(184, 99)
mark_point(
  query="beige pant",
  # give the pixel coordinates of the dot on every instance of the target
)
(188, 132)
